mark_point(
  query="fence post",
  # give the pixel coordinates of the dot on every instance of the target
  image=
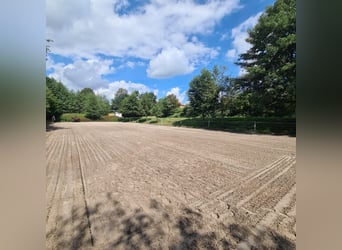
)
(254, 126)
(208, 123)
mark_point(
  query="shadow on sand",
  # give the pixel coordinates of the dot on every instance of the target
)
(51, 126)
(108, 225)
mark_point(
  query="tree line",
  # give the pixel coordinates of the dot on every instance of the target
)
(267, 88)
(60, 100)
(144, 104)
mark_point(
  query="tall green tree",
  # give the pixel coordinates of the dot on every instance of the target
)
(61, 93)
(131, 105)
(83, 98)
(148, 101)
(80, 102)
(119, 96)
(103, 104)
(270, 81)
(157, 109)
(226, 90)
(73, 107)
(168, 105)
(187, 111)
(203, 94)
(92, 107)
(87, 92)
(53, 105)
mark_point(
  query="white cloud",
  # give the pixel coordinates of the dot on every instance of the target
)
(62, 14)
(232, 53)
(87, 73)
(169, 62)
(111, 88)
(176, 91)
(87, 27)
(82, 73)
(131, 64)
(174, 61)
(239, 35)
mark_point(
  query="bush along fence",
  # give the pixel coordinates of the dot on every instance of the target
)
(243, 125)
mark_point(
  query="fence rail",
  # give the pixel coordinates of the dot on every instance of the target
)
(249, 126)
(281, 126)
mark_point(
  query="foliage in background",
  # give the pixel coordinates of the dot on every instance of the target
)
(203, 94)
(92, 108)
(119, 96)
(52, 105)
(269, 84)
(59, 100)
(148, 101)
(131, 105)
(168, 105)
(69, 117)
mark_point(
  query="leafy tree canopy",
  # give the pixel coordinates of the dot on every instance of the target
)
(270, 64)
(119, 96)
(148, 101)
(203, 94)
(131, 105)
(168, 105)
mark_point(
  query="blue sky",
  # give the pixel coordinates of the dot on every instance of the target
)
(150, 46)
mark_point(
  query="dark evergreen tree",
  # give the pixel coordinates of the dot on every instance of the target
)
(269, 84)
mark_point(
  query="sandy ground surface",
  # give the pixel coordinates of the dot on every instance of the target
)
(137, 186)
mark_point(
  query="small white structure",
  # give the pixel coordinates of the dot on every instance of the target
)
(117, 114)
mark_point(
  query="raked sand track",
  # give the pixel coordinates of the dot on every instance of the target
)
(137, 186)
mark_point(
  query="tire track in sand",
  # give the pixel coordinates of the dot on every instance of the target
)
(84, 189)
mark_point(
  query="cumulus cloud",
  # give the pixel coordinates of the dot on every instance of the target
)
(231, 53)
(111, 88)
(169, 62)
(146, 31)
(82, 73)
(239, 35)
(87, 73)
(174, 61)
(131, 64)
(180, 95)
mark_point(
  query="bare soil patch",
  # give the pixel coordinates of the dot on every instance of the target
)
(137, 186)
